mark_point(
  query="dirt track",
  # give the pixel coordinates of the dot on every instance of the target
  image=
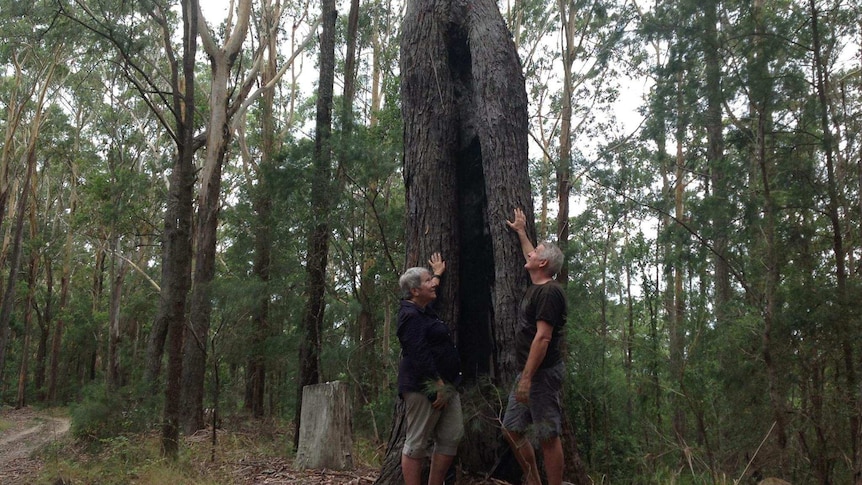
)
(29, 431)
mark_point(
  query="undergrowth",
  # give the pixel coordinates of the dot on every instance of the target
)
(136, 457)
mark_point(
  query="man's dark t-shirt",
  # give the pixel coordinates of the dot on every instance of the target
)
(427, 350)
(541, 302)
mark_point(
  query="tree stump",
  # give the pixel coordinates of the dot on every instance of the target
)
(325, 434)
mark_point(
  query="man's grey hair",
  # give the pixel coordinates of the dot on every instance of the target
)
(411, 279)
(551, 253)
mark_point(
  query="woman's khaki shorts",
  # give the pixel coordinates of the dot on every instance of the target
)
(443, 427)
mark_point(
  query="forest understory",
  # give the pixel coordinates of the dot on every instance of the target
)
(36, 447)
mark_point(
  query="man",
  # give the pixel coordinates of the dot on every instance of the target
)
(428, 373)
(535, 403)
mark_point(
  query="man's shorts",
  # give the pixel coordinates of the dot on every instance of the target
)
(542, 416)
(444, 427)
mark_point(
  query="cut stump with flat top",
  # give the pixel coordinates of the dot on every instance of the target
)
(325, 435)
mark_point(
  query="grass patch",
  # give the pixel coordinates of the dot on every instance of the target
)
(136, 457)
(116, 461)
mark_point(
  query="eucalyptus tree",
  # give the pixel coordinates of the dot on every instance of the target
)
(33, 78)
(223, 103)
(255, 387)
(171, 98)
(261, 139)
(319, 229)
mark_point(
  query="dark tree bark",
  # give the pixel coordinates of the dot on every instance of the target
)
(177, 247)
(464, 107)
(321, 200)
(262, 205)
(715, 156)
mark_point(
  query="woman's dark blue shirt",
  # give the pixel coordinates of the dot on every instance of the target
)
(427, 350)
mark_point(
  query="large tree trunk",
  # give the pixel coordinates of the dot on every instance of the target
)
(118, 275)
(676, 316)
(464, 107)
(564, 165)
(177, 247)
(44, 331)
(8, 301)
(715, 158)
(218, 136)
(321, 200)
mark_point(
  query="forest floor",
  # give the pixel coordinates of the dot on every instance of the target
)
(25, 432)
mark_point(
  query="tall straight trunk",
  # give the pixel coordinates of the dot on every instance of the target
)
(33, 267)
(574, 467)
(722, 210)
(760, 114)
(8, 302)
(262, 205)
(365, 327)
(663, 252)
(349, 95)
(564, 164)
(321, 202)
(677, 309)
(851, 390)
(206, 224)
(177, 244)
(715, 157)
(118, 274)
(44, 331)
(771, 279)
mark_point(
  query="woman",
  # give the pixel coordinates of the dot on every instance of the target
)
(429, 371)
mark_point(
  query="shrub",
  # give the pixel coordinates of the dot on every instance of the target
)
(102, 415)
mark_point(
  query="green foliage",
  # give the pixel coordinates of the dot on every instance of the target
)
(102, 417)
(122, 460)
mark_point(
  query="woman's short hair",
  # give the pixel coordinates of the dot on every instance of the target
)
(552, 254)
(411, 279)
